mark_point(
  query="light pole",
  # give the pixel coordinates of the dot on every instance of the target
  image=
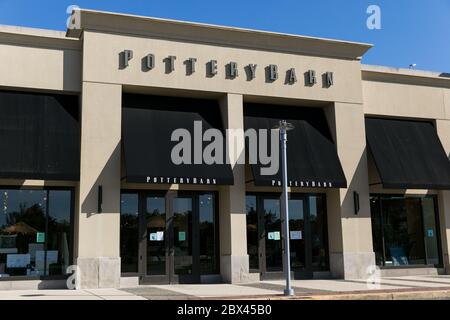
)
(284, 126)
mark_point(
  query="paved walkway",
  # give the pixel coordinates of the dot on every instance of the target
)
(429, 286)
(97, 294)
(303, 288)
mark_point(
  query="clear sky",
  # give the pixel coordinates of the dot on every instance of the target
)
(412, 31)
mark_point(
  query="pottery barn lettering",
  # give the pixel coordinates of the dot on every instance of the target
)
(303, 184)
(271, 71)
(181, 180)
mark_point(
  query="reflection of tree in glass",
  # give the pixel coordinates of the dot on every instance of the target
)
(156, 220)
(252, 217)
(33, 217)
(129, 239)
(128, 220)
(272, 217)
(182, 218)
(25, 223)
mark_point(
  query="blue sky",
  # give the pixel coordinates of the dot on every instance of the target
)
(413, 31)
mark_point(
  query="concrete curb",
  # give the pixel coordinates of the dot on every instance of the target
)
(386, 295)
(412, 295)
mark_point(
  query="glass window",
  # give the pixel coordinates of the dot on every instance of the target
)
(273, 241)
(307, 232)
(129, 232)
(208, 235)
(430, 231)
(58, 244)
(156, 235)
(318, 224)
(35, 232)
(252, 232)
(297, 232)
(404, 230)
(182, 228)
(377, 238)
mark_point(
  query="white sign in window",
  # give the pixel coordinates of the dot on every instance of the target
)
(296, 235)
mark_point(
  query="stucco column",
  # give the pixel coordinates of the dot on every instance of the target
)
(443, 131)
(350, 235)
(234, 263)
(97, 243)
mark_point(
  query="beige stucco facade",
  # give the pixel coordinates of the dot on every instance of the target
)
(87, 61)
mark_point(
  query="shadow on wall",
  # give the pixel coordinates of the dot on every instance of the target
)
(336, 217)
(110, 179)
(72, 66)
(354, 185)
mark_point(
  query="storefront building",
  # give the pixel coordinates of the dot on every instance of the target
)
(87, 178)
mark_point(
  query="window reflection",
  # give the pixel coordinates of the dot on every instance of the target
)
(404, 230)
(208, 235)
(58, 247)
(273, 241)
(129, 232)
(182, 227)
(297, 231)
(430, 231)
(318, 224)
(156, 235)
(307, 232)
(35, 232)
(252, 232)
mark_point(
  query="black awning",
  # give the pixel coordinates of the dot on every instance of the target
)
(311, 153)
(39, 136)
(147, 126)
(408, 154)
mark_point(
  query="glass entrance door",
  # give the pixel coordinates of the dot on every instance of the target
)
(155, 230)
(307, 235)
(184, 240)
(273, 241)
(178, 236)
(300, 260)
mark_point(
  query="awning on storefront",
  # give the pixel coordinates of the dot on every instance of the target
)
(39, 136)
(147, 126)
(311, 153)
(408, 154)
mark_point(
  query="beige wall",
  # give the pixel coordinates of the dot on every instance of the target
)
(405, 93)
(101, 64)
(100, 165)
(234, 263)
(37, 61)
(443, 129)
(98, 234)
(405, 100)
(350, 235)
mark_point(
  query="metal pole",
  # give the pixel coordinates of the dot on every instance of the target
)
(285, 209)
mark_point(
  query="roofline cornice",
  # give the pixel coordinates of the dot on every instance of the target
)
(99, 21)
(405, 76)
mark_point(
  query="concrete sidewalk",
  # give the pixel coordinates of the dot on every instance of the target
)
(422, 287)
(94, 294)
(413, 287)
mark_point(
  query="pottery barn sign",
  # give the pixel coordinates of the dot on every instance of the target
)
(270, 71)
